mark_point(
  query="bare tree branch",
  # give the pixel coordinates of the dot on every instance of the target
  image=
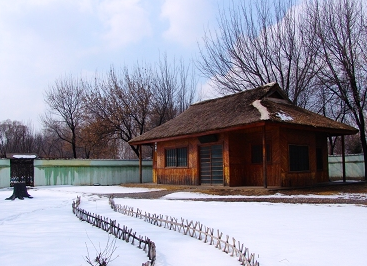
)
(65, 110)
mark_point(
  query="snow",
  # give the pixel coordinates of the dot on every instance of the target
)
(283, 116)
(262, 109)
(20, 156)
(44, 231)
(269, 84)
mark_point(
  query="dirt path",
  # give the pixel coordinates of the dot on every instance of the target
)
(291, 200)
(356, 198)
(144, 195)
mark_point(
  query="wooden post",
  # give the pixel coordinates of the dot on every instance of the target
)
(264, 159)
(343, 159)
(140, 165)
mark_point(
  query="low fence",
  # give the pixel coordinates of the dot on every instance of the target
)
(196, 230)
(354, 167)
(82, 172)
(123, 233)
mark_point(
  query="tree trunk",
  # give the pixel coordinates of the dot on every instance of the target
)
(73, 142)
(20, 192)
(136, 150)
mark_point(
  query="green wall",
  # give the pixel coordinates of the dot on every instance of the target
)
(114, 172)
(354, 167)
(82, 172)
(4, 173)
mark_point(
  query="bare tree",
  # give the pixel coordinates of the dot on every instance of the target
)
(328, 104)
(341, 30)
(132, 101)
(51, 146)
(260, 43)
(16, 137)
(65, 110)
(186, 89)
(173, 90)
(96, 143)
(122, 101)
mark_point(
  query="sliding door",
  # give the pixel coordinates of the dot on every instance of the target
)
(211, 165)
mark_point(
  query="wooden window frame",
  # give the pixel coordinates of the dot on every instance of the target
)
(293, 165)
(176, 160)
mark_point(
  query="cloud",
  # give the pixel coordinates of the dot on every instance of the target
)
(126, 22)
(40, 41)
(43, 40)
(207, 90)
(187, 20)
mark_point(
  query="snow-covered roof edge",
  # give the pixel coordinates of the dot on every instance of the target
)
(21, 156)
(24, 156)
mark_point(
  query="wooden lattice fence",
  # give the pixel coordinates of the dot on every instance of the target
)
(123, 233)
(196, 230)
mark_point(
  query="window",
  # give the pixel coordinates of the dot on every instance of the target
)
(319, 159)
(176, 157)
(257, 153)
(298, 158)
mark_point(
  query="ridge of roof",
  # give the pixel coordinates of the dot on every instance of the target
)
(269, 87)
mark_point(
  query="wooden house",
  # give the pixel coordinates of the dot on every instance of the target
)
(252, 138)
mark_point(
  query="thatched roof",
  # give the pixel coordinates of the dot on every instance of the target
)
(264, 104)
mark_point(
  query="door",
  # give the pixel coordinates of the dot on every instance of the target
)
(211, 165)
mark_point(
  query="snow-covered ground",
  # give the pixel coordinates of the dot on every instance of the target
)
(44, 231)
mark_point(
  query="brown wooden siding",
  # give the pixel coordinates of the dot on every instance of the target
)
(321, 142)
(242, 171)
(226, 159)
(238, 169)
(237, 157)
(186, 175)
(312, 140)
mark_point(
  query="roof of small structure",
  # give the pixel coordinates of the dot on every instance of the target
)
(21, 156)
(265, 103)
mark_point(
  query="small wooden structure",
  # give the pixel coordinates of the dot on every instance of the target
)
(21, 174)
(252, 138)
(21, 168)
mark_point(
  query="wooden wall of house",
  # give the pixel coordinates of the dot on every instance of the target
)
(322, 175)
(237, 157)
(245, 173)
(176, 175)
(238, 168)
(185, 175)
(311, 139)
(242, 171)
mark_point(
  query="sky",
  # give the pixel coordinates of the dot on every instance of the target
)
(45, 40)
(44, 231)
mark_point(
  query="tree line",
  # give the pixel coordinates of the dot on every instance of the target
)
(315, 50)
(95, 118)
